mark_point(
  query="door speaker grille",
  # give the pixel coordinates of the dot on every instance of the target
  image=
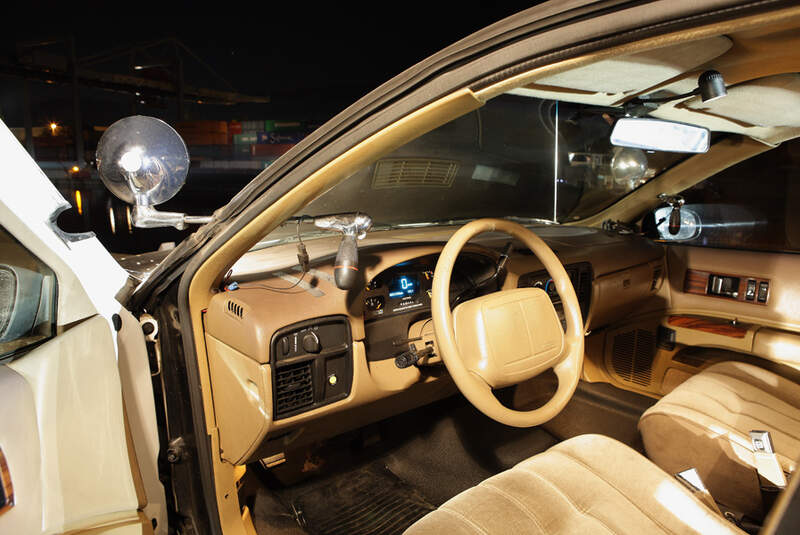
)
(632, 356)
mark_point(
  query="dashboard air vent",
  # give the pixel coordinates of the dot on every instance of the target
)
(236, 309)
(294, 388)
(632, 356)
(414, 173)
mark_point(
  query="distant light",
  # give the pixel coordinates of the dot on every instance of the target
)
(137, 94)
(128, 217)
(199, 101)
(53, 127)
(112, 223)
(142, 102)
(138, 67)
(78, 201)
(75, 168)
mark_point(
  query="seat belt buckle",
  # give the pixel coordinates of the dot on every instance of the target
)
(769, 469)
(771, 479)
(692, 481)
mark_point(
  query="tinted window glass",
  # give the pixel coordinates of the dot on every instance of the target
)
(752, 205)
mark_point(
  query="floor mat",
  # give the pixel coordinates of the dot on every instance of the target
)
(371, 500)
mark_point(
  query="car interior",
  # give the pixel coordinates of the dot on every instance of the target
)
(544, 329)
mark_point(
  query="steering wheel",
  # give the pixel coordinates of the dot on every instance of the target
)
(507, 337)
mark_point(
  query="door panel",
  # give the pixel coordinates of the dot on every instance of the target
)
(635, 354)
(782, 309)
(70, 398)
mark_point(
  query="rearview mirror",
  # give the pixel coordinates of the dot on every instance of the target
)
(655, 134)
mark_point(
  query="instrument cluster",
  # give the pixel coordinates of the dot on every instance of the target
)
(401, 288)
(406, 287)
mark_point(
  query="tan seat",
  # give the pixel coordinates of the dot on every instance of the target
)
(587, 484)
(704, 423)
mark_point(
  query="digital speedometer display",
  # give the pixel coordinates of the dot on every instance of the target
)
(403, 286)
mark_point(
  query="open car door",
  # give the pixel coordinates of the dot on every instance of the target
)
(68, 456)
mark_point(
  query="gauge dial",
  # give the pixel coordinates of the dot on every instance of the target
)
(374, 303)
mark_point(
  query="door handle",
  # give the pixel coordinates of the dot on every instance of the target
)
(6, 488)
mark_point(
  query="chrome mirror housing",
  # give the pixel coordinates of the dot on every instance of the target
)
(144, 162)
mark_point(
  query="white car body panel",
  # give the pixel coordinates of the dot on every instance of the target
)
(75, 473)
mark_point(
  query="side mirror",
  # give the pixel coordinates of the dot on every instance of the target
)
(655, 134)
(687, 227)
(143, 161)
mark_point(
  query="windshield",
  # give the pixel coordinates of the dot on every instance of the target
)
(517, 157)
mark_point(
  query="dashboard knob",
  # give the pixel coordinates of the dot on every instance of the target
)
(311, 343)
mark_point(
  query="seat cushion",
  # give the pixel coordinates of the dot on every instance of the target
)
(704, 424)
(587, 484)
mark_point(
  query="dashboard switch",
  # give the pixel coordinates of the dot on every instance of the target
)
(750, 291)
(311, 343)
(285, 346)
(763, 291)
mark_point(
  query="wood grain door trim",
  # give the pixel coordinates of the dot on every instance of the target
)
(709, 325)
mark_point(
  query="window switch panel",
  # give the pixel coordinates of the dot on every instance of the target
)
(763, 291)
(750, 292)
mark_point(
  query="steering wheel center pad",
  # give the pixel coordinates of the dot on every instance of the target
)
(508, 337)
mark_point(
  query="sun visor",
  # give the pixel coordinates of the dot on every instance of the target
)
(770, 101)
(637, 72)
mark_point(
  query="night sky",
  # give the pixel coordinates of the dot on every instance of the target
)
(312, 59)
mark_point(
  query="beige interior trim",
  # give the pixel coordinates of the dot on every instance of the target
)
(778, 346)
(209, 274)
(758, 63)
(701, 32)
(720, 156)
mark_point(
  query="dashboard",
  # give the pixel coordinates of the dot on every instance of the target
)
(291, 356)
(400, 296)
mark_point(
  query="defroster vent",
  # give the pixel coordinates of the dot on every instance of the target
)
(294, 388)
(632, 356)
(414, 173)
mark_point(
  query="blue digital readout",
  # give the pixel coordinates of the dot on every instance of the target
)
(403, 286)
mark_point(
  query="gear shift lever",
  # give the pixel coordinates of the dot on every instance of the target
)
(353, 226)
